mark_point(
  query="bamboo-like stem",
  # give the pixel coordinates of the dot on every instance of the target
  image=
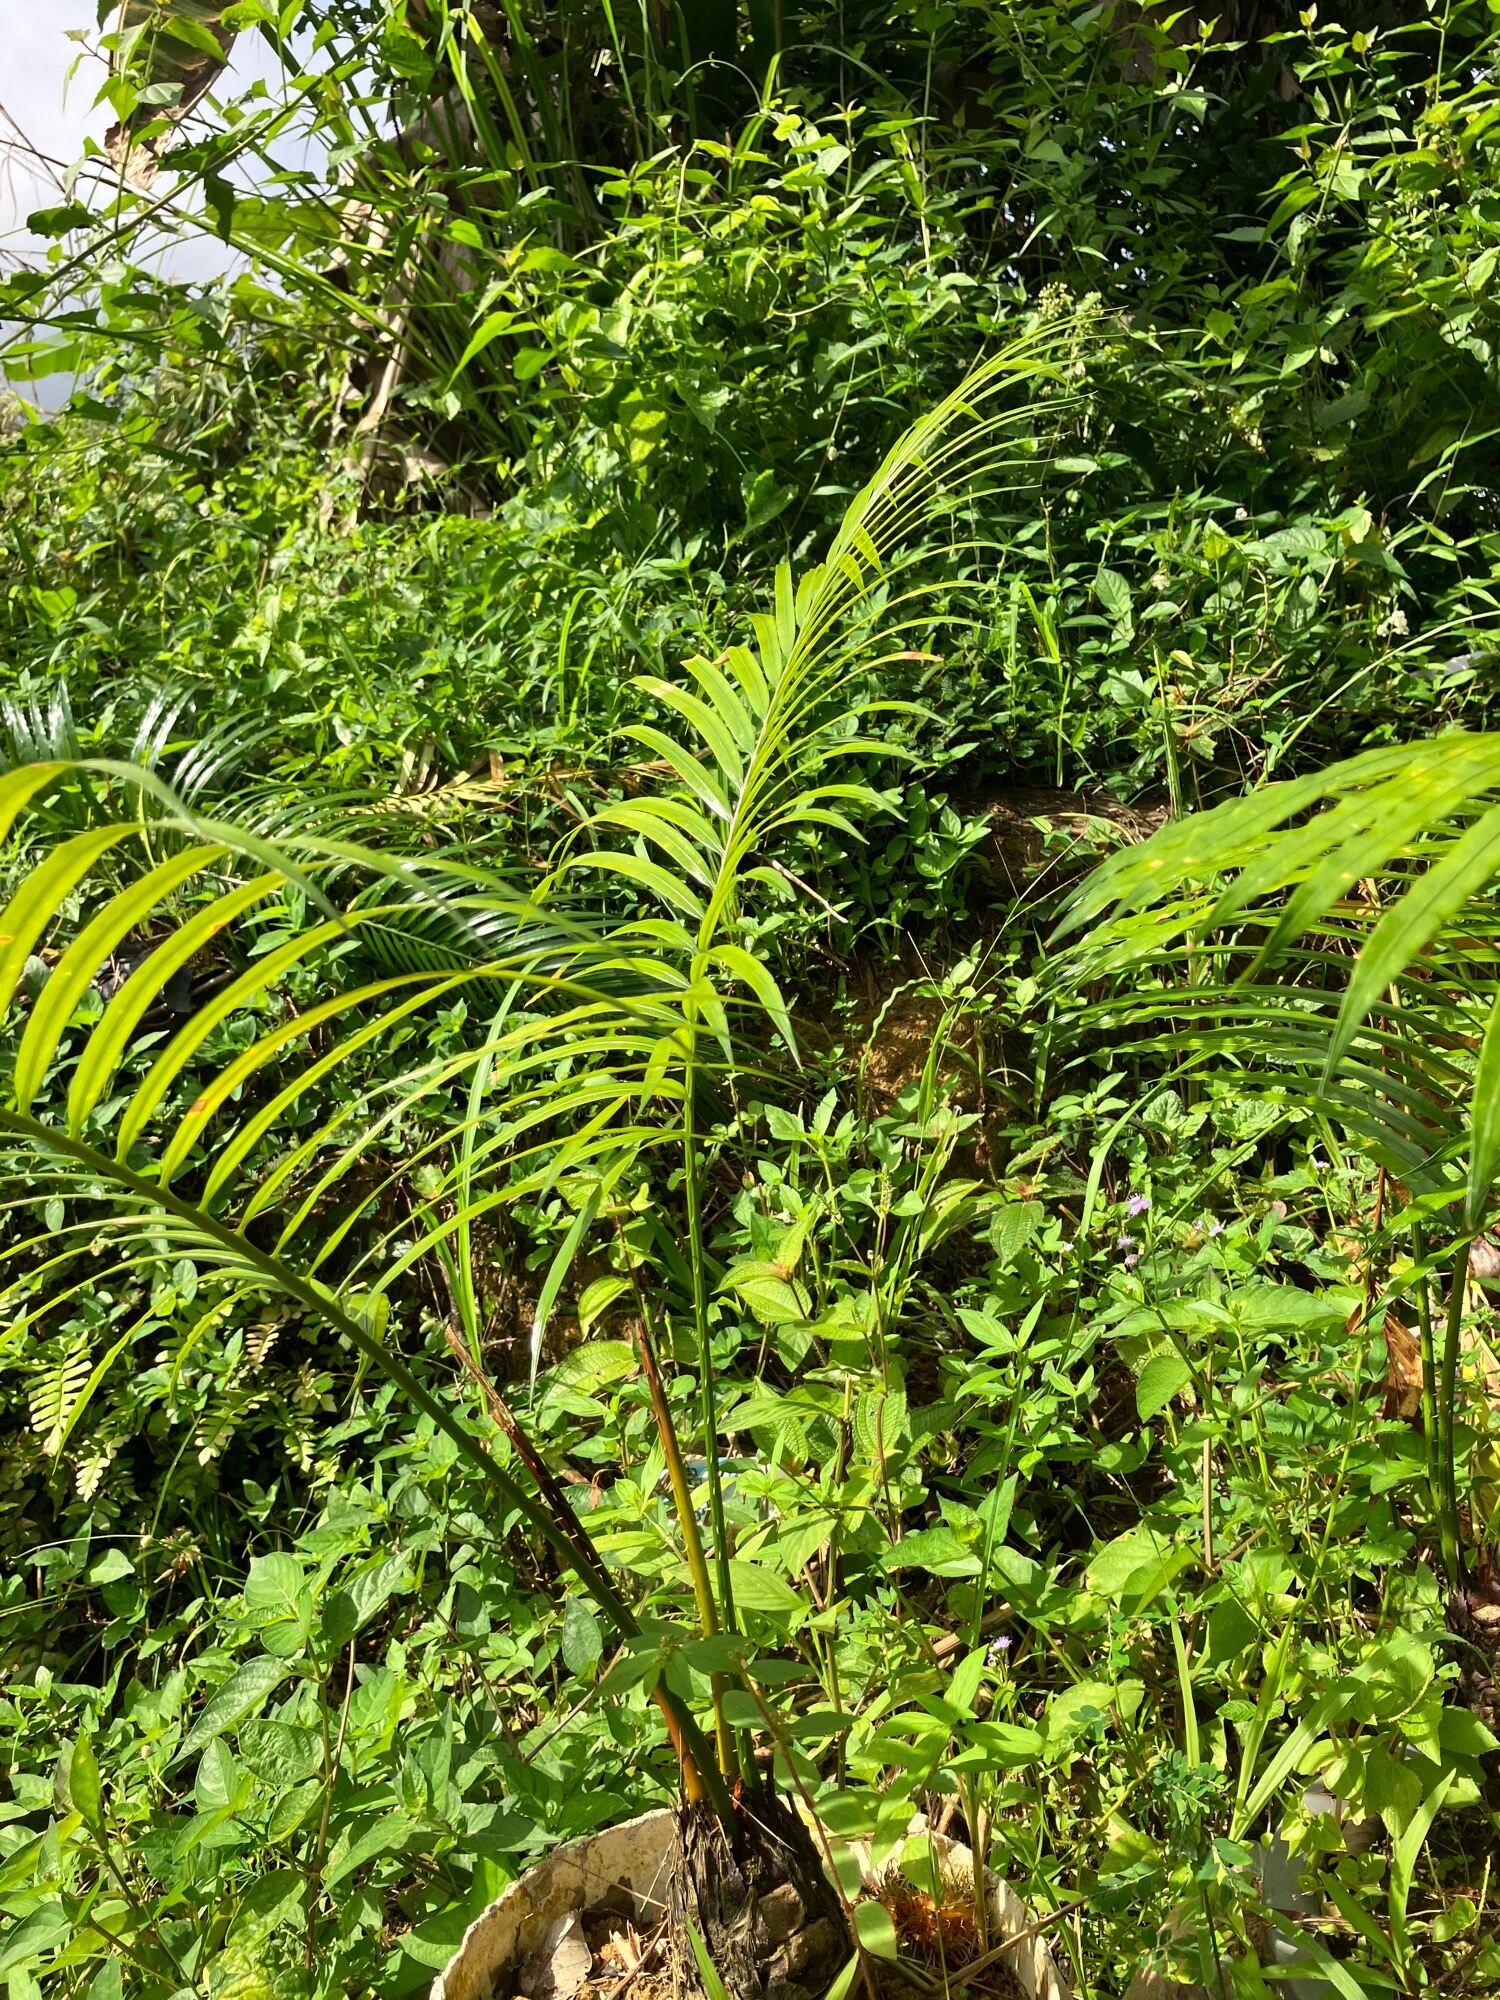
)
(692, 1542)
(707, 1384)
(1430, 1425)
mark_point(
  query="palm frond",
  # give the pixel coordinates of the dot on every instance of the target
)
(1336, 932)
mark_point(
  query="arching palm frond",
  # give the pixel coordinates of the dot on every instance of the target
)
(761, 728)
(1339, 929)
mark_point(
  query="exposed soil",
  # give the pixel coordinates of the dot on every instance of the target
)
(939, 1953)
(624, 1962)
(1041, 838)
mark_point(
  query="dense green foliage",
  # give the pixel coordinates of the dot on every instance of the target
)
(545, 690)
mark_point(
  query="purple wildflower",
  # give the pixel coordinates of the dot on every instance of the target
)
(1132, 1260)
(1216, 1228)
(1138, 1204)
(1124, 1242)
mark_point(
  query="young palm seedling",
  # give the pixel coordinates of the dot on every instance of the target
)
(592, 1075)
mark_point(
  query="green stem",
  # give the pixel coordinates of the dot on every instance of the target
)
(692, 1540)
(707, 1386)
(1448, 1528)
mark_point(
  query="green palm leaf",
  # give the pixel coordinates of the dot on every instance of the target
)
(1340, 927)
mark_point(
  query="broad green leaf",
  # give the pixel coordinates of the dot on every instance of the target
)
(85, 1792)
(877, 1930)
(1012, 1226)
(582, 1637)
(774, 1300)
(596, 1299)
(278, 1597)
(35, 1937)
(1163, 1377)
(1113, 592)
(19, 787)
(594, 1364)
(936, 1549)
(362, 1597)
(388, 1834)
(490, 328)
(218, 1779)
(757, 1588)
(1137, 1564)
(243, 1695)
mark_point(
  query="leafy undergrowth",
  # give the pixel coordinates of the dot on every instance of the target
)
(1086, 1336)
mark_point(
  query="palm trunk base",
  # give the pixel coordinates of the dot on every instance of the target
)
(759, 1899)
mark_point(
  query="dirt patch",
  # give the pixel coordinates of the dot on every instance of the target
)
(896, 1033)
(1041, 838)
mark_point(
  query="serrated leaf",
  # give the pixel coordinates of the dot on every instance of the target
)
(1012, 1227)
(773, 1299)
(880, 1423)
(592, 1364)
(597, 1298)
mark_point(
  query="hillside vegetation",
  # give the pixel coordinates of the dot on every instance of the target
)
(751, 978)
